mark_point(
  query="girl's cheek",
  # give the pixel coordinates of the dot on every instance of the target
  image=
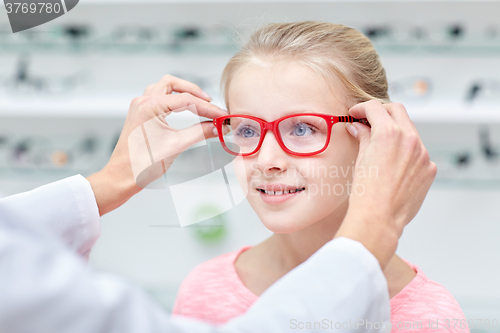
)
(241, 169)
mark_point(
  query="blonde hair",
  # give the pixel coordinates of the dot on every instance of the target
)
(331, 50)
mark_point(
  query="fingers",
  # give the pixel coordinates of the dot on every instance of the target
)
(432, 171)
(195, 133)
(164, 104)
(179, 140)
(394, 113)
(372, 110)
(399, 114)
(169, 83)
(362, 134)
(156, 141)
(203, 108)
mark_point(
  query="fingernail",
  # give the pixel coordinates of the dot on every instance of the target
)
(207, 96)
(352, 130)
(214, 130)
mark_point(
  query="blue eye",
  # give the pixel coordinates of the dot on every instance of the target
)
(302, 129)
(247, 132)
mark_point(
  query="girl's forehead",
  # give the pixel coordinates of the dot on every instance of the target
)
(287, 89)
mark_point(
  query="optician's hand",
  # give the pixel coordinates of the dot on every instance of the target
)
(397, 176)
(148, 145)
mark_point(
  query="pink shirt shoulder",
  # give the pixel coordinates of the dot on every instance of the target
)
(213, 292)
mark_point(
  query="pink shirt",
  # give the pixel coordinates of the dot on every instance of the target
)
(213, 292)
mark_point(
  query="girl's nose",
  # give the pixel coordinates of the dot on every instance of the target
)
(270, 156)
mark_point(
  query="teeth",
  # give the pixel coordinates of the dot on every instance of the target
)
(281, 192)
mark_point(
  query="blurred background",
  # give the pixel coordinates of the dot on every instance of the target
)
(65, 88)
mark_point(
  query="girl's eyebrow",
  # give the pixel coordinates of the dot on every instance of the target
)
(300, 111)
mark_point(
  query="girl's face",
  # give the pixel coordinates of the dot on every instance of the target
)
(323, 180)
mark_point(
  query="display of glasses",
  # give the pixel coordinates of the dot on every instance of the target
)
(465, 166)
(395, 36)
(128, 38)
(433, 38)
(466, 155)
(69, 147)
(411, 89)
(23, 81)
(45, 154)
(485, 90)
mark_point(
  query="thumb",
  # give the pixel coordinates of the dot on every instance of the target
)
(154, 146)
(198, 132)
(361, 133)
(194, 134)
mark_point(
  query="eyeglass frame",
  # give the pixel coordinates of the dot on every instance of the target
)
(273, 127)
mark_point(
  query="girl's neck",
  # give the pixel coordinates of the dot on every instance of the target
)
(264, 264)
(286, 251)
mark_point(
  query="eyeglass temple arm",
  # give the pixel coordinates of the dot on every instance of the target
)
(350, 119)
(341, 119)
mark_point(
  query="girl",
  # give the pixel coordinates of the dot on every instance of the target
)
(297, 174)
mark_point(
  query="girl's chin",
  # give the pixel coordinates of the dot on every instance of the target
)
(283, 231)
(284, 225)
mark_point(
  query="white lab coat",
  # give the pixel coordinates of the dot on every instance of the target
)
(45, 287)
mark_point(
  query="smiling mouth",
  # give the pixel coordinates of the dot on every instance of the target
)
(281, 192)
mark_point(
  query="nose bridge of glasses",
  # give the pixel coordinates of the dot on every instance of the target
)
(267, 126)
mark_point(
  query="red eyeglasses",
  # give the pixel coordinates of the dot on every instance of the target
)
(303, 134)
